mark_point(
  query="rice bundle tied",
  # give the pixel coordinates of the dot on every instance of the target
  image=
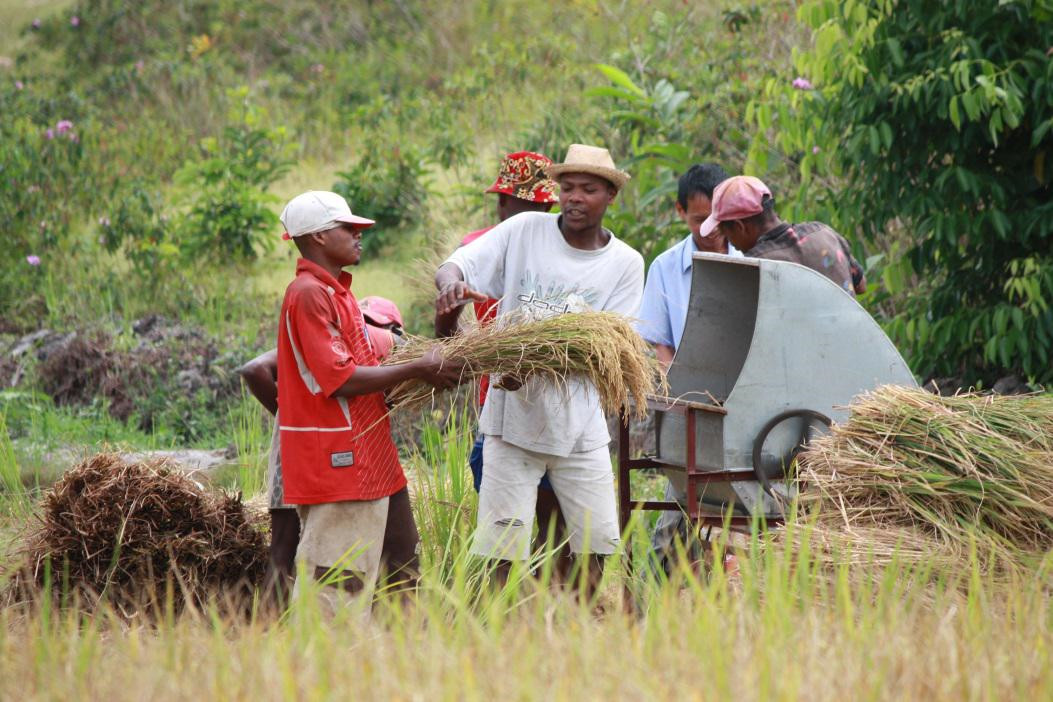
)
(124, 532)
(955, 471)
(601, 346)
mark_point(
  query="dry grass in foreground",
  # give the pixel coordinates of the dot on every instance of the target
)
(774, 635)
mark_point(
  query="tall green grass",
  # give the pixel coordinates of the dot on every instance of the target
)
(250, 432)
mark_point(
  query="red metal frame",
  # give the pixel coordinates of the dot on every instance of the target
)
(689, 410)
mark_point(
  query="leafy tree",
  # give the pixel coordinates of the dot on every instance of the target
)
(934, 118)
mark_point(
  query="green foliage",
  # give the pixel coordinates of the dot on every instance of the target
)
(137, 228)
(650, 121)
(45, 179)
(387, 185)
(675, 98)
(230, 211)
(937, 116)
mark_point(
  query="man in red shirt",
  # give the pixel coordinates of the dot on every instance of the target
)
(383, 327)
(340, 466)
(521, 186)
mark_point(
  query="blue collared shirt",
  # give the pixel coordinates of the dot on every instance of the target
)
(667, 291)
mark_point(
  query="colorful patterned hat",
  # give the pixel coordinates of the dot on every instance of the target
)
(522, 175)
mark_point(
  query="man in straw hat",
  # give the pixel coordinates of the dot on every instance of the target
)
(537, 265)
(521, 186)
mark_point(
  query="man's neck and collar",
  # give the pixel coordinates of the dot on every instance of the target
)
(327, 273)
(774, 230)
(591, 239)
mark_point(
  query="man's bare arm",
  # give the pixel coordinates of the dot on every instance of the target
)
(665, 355)
(432, 368)
(261, 377)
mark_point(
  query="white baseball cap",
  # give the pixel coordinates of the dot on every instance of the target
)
(316, 211)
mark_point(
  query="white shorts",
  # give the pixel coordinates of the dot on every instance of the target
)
(583, 483)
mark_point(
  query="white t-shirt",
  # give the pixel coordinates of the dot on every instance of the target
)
(527, 265)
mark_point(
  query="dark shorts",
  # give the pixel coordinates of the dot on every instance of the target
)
(475, 461)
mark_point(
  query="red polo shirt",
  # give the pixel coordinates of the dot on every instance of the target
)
(332, 448)
(485, 312)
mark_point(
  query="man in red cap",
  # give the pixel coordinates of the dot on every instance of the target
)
(521, 186)
(744, 212)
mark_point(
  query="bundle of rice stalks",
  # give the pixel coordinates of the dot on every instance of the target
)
(601, 346)
(965, 474)
(128, 532)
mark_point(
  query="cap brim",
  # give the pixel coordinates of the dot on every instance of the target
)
(708, 227)
(357, 221)
(378, 319)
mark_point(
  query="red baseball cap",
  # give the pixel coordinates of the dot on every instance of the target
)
(522, 175)
(736, 198)
(380, 311)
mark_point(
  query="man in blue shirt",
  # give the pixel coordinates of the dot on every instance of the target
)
(668, 287)
(663, 310)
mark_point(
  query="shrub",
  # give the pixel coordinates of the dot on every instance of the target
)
(387, 185)
(230, 211)
(938, 117)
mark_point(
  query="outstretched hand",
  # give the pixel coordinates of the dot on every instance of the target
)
(456, 294)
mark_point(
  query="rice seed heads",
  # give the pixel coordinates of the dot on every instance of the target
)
(959, 472)
(600, 346)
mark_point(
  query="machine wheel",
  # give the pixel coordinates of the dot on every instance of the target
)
(808, 423)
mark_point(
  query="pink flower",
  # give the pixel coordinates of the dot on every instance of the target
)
(800, 83)
(49, 134)
(33, 260)
(816, 149)
(104, 221)
(74, 21)
(19, 85)
(317, 68)
(72, 136)
(36, 23)
(139, 66)
(63, 126)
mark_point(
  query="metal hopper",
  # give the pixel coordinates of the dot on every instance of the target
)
(772, 352)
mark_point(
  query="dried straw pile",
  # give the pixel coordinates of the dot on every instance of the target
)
(927, 478)
(601, 346)
(126, 532)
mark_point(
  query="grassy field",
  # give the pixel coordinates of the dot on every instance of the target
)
(454, 85)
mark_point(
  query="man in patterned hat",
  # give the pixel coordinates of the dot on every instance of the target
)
(521, 186)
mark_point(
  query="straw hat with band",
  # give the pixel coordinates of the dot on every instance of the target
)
(593, 160)
(522, 175)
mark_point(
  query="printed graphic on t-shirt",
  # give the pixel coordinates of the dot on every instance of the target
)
(538, 300)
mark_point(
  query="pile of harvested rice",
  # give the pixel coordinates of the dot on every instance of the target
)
(601, 346)
(929, 479)
(134, 534)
